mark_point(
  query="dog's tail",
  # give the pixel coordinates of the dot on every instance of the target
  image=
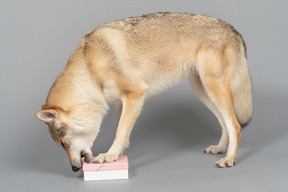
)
(242, 91)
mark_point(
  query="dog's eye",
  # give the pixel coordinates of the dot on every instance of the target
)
(62, 143)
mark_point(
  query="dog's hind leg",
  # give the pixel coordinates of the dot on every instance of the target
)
(132, 102)
(216, 72)
(202, 95)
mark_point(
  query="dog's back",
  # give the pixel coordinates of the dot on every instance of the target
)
(162, 48)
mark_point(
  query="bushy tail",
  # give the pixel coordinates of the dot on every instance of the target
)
(242, 94)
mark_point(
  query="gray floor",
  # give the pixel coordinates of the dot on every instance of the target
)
(168, 141)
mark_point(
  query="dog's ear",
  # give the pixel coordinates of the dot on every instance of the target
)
(48, 116)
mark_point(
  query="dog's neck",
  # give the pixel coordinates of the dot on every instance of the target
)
(71, 90)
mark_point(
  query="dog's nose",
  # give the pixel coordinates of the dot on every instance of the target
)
(74, 168)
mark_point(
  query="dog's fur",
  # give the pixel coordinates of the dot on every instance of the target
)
(126, 61)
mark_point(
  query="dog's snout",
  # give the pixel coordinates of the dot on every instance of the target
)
(74, 168)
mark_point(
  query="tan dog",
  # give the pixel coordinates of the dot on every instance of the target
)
(126, 61)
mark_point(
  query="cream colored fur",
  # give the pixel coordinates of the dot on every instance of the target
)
(126, 61)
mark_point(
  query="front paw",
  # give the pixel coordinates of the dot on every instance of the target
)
(106, 157)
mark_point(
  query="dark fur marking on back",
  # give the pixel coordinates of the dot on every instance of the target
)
(237, 33)
(89, 34)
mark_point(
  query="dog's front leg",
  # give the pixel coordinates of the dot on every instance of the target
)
(131, 107)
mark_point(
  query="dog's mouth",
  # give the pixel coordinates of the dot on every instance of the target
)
(85, 157)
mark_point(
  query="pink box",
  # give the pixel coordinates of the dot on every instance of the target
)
(121, 163)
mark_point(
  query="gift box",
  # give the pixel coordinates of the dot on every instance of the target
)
(106, 171)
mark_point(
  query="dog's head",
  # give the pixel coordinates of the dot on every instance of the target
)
(73, 132)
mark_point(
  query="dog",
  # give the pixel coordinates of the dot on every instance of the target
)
(125, 61)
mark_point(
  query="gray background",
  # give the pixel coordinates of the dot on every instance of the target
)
(166, 153)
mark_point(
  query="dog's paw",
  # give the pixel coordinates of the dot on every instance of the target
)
(214, 149)
(226, 162)
(105, 157)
